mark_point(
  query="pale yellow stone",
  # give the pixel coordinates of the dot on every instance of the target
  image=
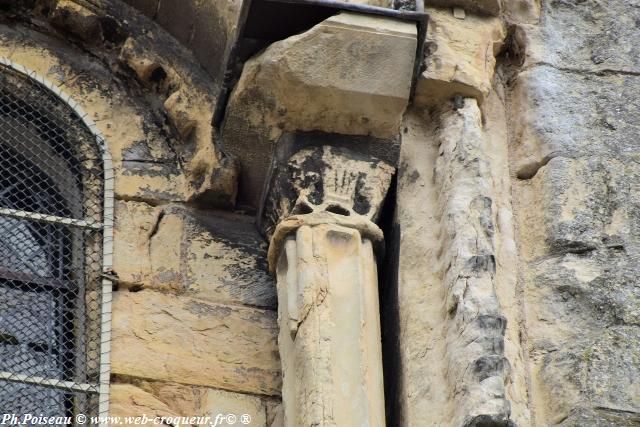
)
(182, 399)
(330, 329)
(223, 262)
(147, 246)
(77, 19)
(191, 401)
(165, 251)
(422, 258)
(177, 107)
(190, 111)
(126, 400)
(459, 13)
(131, 239)
(477, 7)
(350, 74)
(188, 341)
(460, 59)
(244, 407)
(154, 186)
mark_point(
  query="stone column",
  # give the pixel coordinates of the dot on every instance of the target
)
(320, 215)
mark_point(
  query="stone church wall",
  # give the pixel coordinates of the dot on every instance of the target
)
(509, 291)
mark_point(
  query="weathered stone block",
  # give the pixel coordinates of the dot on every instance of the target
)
(126, 400)
(214, 31)
(223, 402)
(481, 7)
(581, 245)
(158, 399)
(561, 113)
(188, 97)
(350, 74)
(147, 246)
(149, 182)
(592, 289)
(177, 17)
(586, 204)
(587, 35)
(593, 380)
(218, 257)
(460, 57)
(189, 341)
(77, 20)
(226, 261)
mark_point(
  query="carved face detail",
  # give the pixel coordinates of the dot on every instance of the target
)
(339, 191)
(329, 179)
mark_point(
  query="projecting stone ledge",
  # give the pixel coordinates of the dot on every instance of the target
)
(460, 57)
(350, 74)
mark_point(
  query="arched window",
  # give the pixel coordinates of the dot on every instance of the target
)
(55, 230)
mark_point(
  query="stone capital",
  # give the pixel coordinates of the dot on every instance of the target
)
(329, 185)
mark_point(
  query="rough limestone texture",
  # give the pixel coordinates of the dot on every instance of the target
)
(478, 7)
(219, 258)
(350, 75)
(155, 399)
(189, 341)
(329, 321)
(207, 28)
(126, 400)
(226, 261)
(579, 280)
(477, 366)
(460, 57)
(147, 246)
(575, 152)
(586, 36)
(155, 101)
(453, 212)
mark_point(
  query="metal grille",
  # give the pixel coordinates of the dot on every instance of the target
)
(51, 253)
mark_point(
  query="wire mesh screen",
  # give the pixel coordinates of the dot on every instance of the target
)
(51, 204)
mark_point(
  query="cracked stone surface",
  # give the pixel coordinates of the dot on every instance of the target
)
(189, 341)
(328, 309)
(575, 153)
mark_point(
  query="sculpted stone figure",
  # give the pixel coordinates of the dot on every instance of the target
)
(323, 238)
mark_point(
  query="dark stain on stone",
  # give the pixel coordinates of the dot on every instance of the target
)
(139, 150)
(199, 308)
(482, 263)
(413, 177)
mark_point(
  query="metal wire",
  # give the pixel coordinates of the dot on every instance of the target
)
(51, 254)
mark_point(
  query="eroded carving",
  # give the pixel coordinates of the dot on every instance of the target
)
(328, 179)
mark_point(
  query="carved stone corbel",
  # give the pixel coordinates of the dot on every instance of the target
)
(320, 217)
